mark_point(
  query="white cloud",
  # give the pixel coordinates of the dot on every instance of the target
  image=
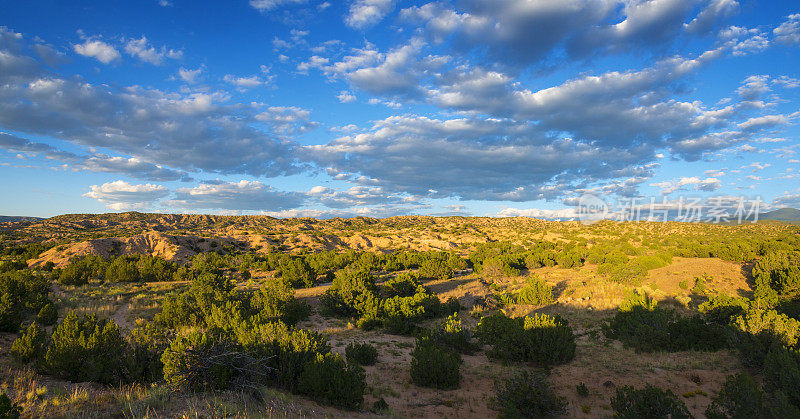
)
(98, 50)
(123, 196)
(245, 82)
(141, 49)
(366, 13)
(346, 97)
(190, 76)
(268, 5)
(789, 31)
(707, 184)
(238, 196)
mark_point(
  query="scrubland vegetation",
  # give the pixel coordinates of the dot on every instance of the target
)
(450, 317)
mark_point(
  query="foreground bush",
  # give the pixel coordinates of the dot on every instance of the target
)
(87, 348)
(275, 300)
(8, 409)
(361, 353)
(758, 330)
(31, 346)
(649, 402)
(21, 294)
(641, 325)
(526, 395)
(329, 379)
(453, 335)
(540, 338)
(435, 366)
(739, 397)
(535, 292)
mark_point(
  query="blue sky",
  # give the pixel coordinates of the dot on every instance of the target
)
(391, 107)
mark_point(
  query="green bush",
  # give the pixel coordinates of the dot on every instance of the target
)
(86, 348)
(21, 294)
(361, 353)
(540, 338)
(403, 313)
(739, 397)
(435, 366)
(435, 268)
(8, 409)
(582, 390)
(453, 335)
(329, 379)
(721, 308)
(526, 395)
(649, 402)
(353, 292)
(198, 362)
(642, 325)
(275, 300)
(782, 373)
(48, 315)
(148, 341)
(535, 292)
(758, 330)
(402, 285)
(297, 272)
(31, 346)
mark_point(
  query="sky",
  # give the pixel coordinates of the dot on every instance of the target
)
(378, 108)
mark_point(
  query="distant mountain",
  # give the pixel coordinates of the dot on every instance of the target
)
(14, 218)
(787, 215)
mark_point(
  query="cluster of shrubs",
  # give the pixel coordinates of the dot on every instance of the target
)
(208, 337)
(399, 305)
(547, 340)
(526, 394)
(133, 268)
(504, 259)
(642, 325)
(435, 365)
(24, 294)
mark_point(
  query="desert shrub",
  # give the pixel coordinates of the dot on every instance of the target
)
(48, 315)
(297, 272)
(739, 397)
(329, 379)
(721, 308)
(87, 348)
(494, 328)
(684, 285)
(539, 338)
(701, 284)
(435, 268)
(31, 346)
(782, 373)
(122, 269)
(582, 390)
(535, 292)
(627, 273)
(361, 353)
(642, 325)
(526, 395)
(649, 402)
(569, 259)
(453, 335)
(21, 294)
(403, 313)
(8, 409)
(275, 300)
(435, 366)
(148, 341)
(498, 268)
(198, 361)
(353, 292)
(402, 285)
(758, 330)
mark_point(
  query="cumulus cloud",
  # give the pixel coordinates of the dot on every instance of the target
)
(346, 97)
(97, 49)
(707, 184)
(237, 196)
(141, 49)
(244, 82)
(789, 31)
(186, 131)
(366, 13)
(525, 32)
(123, 196)
(269, 5)
(190, 76)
